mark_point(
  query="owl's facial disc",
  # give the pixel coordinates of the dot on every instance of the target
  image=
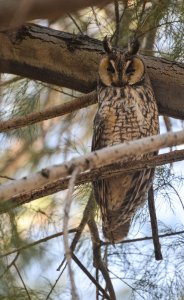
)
(119, 71)
(107, 71)
(134, 71)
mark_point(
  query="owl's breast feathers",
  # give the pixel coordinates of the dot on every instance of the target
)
(124, 114)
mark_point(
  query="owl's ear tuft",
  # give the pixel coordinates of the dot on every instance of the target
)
(107, 45)
(135, 71)
(133, 46)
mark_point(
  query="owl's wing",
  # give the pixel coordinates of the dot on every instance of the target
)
(100, 188)
(98, 128)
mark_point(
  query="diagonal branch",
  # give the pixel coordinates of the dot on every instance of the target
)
(81, 266)
(89, 207)
(47, 238)
(51, 112)
(97, 159)
(88, 176)
(97, 258)
(23, 283)
(68, 254)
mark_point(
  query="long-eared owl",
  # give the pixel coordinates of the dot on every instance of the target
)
(127, 110)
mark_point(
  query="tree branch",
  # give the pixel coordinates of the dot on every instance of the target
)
(68, 253)
(54, 57)
(154, 227)
(147, 238)
(97, 258)
(97, 159)
(88, 176)
(81, 266)
(22, 280)
(16, 12)
(51, 112)
(47, 238)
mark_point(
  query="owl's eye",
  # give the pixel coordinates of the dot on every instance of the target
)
(110, 68)
(130, 70)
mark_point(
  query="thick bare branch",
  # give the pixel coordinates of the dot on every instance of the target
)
(54, 57)
(89, 161)
(16, 12)
(88, 176)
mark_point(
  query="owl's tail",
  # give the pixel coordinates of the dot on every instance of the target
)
(117, 233)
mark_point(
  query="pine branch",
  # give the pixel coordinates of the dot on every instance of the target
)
(51, 112)
(47, 238)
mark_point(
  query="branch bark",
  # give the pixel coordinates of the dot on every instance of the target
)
(88, 176)
(16, 12)
(97, 159)
(71, 61)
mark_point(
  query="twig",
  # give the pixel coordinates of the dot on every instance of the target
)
(98, 263)
(97, 22)
(24, 285)
(86, 213)
(177, 194)
(11, 264)
(53, 287)
(7, 82)
(157, 26)
(96, 159)
(144, 238)
(97, 289)
(68, 202)
(139, 18)
(74, 21)
(88, 176)
(154, 226)
(126, 283)
(168, 123)
(81, 266)
(7, 177)
(48, 113)
(83, 222)
(120, 19)
(53, 236)
(117, 18)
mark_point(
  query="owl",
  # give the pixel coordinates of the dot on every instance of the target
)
(127, 111)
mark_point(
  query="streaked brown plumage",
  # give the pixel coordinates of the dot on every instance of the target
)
(127, 111)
